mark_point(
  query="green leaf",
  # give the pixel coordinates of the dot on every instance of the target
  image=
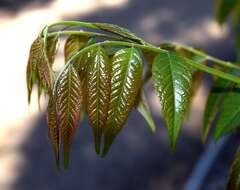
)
(69, 103)
(224, 9)
(144, 110)
(229, 118)
(234, 178)
(213, 105)
(53, 127)
(98, 92)
(172, 79)
(126, 72)
(123, 32)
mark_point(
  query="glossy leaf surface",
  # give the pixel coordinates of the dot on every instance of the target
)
(126, 72)
(53, 128)
(69, 103)
(98, 92)
(37, 68)
(172, 79)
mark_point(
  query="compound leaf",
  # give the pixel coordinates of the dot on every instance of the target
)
(69, 103)
(172, 79)
(98, 91)
(126, 72)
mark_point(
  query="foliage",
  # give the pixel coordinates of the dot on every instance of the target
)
(104, 75)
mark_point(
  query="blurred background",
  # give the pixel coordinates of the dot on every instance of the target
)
(138, 159)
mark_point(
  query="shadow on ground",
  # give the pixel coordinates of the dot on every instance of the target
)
(138, 159)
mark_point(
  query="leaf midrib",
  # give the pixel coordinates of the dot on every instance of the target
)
(173, 90)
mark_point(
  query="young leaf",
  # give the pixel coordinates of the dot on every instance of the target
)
(74, 44)
(45, 65)
(98, 91)
(229, 117)
(224, 8)
(234, 178)
(172, 78)
(119, 31)
(53, 127)
(126, 72)
(37, 68)
(144, 110)
(35, 58)
(69, 103)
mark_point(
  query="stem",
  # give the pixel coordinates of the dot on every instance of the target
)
(73, 23)
(204, 68)
(84, 33)
(208, 57)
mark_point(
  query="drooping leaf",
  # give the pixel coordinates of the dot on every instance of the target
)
(37, 68)
(144, 110)
(219, 91)
(35, 58)
(172, 79)
(98, 91)
(52, 43)
(213, 105)
(126, 72)
(53, 127)
(234, 178)
(74, 44)
(224, 9)
(229, 118)
(44, 67)
(119, 31)
(69, 103)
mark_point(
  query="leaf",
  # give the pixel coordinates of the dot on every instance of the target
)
(69, 104)
(73, 44)
(35, 58)
(229, 118)
(172, 79)
(213, 105)
(224, 9)
(45, 65)
(234, 178)
(144, 110)
(126, 72)
(53, 127)
(37, 67)
(98, 91)
(123, 32)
